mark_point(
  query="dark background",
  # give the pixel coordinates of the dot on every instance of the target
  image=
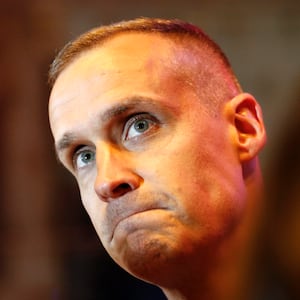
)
(48, 247)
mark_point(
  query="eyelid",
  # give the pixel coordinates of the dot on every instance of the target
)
(76, 152)
(136, 117)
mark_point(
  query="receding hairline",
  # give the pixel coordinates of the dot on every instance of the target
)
(172, 29)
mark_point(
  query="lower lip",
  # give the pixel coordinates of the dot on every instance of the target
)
(139, 221)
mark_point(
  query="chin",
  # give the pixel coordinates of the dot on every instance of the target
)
(145, 255)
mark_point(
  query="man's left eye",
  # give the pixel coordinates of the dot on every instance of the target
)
(138, 125)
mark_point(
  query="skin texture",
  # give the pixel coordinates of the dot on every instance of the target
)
(165, 182)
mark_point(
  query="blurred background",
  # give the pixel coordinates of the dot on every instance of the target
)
(48, 247)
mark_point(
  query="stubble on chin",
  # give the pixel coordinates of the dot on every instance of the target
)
(145, 254)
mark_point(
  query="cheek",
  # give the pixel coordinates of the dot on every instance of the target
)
(87, 197)
(206, 179)
(92, 204)
(86, 187)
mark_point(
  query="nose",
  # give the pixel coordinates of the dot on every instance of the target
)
(115, 177)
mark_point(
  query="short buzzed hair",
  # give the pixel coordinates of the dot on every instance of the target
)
(216, 80)
(98, 35)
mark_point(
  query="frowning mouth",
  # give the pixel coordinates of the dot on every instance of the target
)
(119, 220)
(135, 210)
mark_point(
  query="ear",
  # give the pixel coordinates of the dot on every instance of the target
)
(246, 117)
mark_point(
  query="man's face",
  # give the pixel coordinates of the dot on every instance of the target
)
(159, 176)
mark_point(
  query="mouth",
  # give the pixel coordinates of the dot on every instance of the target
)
(132, 204)
(129, 215)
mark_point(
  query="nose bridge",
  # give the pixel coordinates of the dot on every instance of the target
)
(109, 161)
(115, 175)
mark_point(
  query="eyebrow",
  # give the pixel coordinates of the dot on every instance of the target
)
(65, 142)
(120, 108)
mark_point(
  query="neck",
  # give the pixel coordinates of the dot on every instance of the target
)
(228, 272)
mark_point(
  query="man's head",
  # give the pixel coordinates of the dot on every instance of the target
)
(162, 142)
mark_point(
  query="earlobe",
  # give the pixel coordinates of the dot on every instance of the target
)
(246, 117)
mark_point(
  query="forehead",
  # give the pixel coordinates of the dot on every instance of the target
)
(132, 51)
(132, 63)
(129, 50)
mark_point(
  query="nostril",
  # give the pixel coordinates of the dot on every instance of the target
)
(113, 188)
(122, 189)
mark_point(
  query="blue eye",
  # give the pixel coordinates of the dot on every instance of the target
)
(83, 158)
(138, 125)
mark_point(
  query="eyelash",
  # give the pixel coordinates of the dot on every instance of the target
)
(137, 117)
(75, 153)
